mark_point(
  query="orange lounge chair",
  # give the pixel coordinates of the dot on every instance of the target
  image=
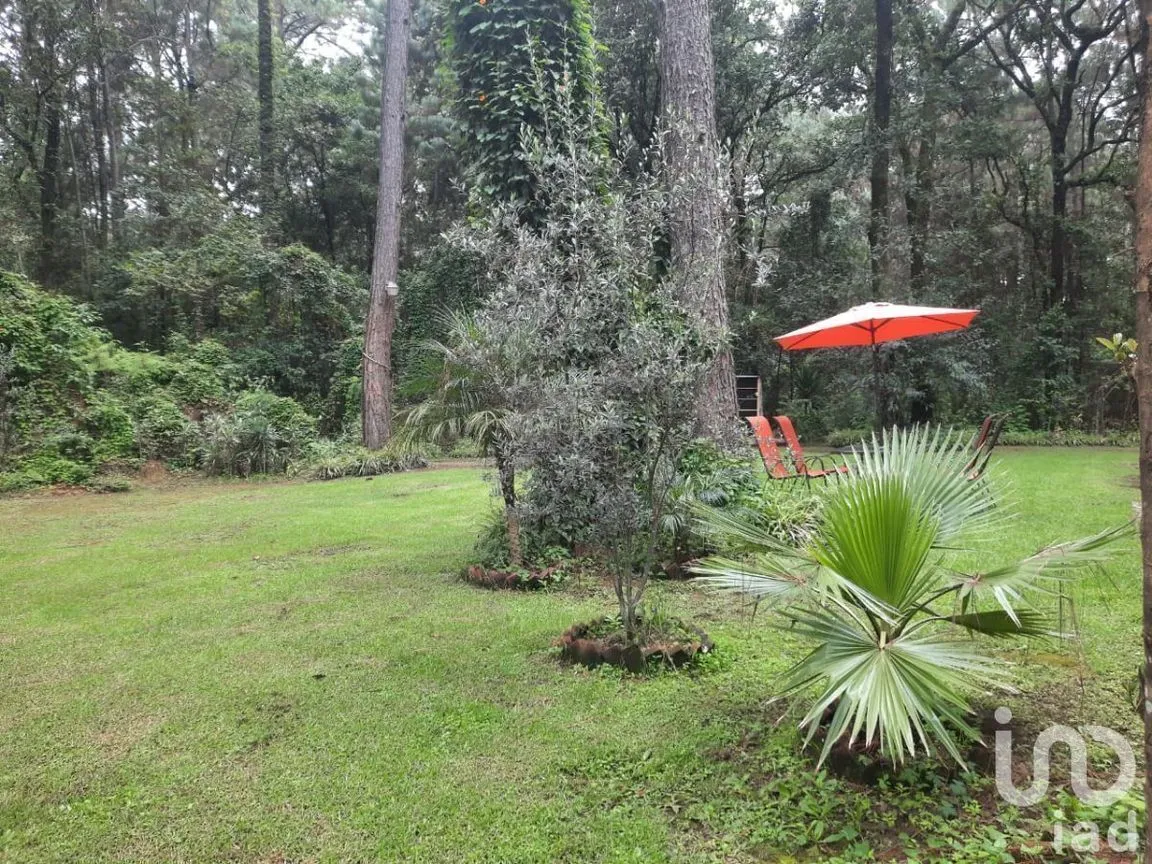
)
(769, 452)
(984, 443)
(802, 467)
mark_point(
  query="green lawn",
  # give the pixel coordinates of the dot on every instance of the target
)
(291, 672)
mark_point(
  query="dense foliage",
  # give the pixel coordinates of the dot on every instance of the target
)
(75, 405)
(509, 58)
(128, 136)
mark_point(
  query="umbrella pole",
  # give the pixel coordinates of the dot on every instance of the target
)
(877, 388)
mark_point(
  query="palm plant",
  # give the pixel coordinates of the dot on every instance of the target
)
(874, 589)
(469, 387)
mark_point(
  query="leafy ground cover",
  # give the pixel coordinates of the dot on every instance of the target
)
(242, 671)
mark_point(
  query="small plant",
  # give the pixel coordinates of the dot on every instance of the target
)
(873, 589)
(471, 383)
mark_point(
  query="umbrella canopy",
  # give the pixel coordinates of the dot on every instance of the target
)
(873, 323)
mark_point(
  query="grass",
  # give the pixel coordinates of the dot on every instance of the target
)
(291, 672)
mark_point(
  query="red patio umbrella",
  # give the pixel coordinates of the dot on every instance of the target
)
(873, 323)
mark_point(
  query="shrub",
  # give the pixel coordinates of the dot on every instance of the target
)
(107, 421)
(71, 445)
(45, 470)
(17, 481)
(788, 511)
(110, 485)
(337, 461)
(264, 434)
(1069, 438)
(162, 430)
(704, 475)
(847, 437)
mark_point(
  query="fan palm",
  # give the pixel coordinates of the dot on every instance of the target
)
(469, 386)
(873, 589)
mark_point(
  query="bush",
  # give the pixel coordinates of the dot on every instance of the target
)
(110, 484)
(45, 469)
(788, 511)
(538, 551)
(847, 437)
(1069, 438)
(107, 421)
(875, 589)
(264, 434)
(71, 445)
(162, 430)
(335, 461)
(17, 481)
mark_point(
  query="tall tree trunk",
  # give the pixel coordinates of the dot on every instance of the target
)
(267, 117)
(109, 111)
(688, 89)
(1142, 287)
(50, 187)
(881, 149)
(1057, 250)
(381, 320)
(920, 214)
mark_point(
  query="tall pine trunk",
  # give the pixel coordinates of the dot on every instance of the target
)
(881, 149)
(1142, 287)
(688, 87)
(50, 188)
(267, 116)
(381, 320)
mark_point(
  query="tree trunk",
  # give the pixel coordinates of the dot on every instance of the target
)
(920, 215)
(507, 476)
(1142, 287)
(267, 117)
(881, 149)
(1057, 239)
(101, 177)
(688, 89)
(381, 320)
(50, 188)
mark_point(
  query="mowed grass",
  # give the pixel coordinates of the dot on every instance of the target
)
(291, 672)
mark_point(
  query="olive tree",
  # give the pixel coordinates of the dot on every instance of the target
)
(607, 403)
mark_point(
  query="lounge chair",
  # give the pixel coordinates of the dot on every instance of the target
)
(784, 424)
(984, 443)
(769, 452)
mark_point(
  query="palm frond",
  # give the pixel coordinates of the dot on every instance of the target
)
(998, 623)
(1053, 564)
(897, 694)
(932, 463)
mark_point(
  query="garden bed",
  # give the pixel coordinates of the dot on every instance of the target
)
(512, 580)
(603, 642)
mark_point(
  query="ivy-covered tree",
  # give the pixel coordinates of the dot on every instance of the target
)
(509, 58)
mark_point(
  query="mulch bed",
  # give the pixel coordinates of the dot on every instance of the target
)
(510, 580)
(594, 644)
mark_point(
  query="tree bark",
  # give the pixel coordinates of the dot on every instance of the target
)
(1143, 286)
(381, 320)
(919, 202)
(506, 471)
(881, 149)
(688, 91)
(50, 188)
(267, 116)
(1057, 250)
